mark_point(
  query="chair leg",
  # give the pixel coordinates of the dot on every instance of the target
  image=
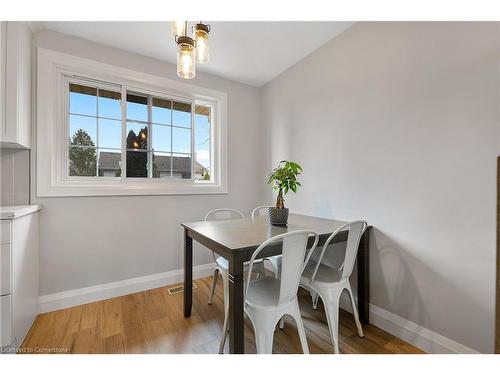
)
(355, 311)
(225, 330)
(300, 327)
(315, 298)
(264, 340)
(332, 315)
(264, 324)
(214, 282)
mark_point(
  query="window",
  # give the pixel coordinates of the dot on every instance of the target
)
(94, 122)
(114, 135)
(202, 123)
(158, 141)
(158, 135)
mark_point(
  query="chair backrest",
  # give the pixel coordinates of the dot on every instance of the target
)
(260, 211)
(355, 231)
(224, 214)
(293, 262)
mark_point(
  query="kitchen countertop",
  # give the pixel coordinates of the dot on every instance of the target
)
(12, 212)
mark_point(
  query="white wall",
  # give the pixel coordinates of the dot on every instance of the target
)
(93, 240)
(397, 124)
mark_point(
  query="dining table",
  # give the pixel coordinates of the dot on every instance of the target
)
(237, 239)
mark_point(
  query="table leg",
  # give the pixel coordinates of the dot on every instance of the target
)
(236, 312)
(188, 274)
(364, 278)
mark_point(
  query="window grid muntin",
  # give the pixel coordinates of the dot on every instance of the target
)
(123, 90)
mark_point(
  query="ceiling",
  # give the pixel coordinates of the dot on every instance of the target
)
(248, 52)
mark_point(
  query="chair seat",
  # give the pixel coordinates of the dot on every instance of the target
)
(273, 264)
(325, 275)
(257, 272)
(263, 292)
(222, 262)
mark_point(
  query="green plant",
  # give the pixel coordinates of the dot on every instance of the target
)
(82, 160)
(284, 178)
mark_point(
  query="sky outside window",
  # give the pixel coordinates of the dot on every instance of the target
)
(83, 105)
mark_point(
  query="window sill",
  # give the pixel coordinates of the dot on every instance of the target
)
(78, 189)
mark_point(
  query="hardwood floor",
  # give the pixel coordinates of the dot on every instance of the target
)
(153, 322)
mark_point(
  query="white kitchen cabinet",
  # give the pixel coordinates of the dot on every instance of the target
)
(18, 274)
(15, 84)
(5, 321)
(3, 42)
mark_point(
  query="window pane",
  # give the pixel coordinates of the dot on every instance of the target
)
(181, 140)
(162, 139)
(110, 133)
(82, 130)
(82, 161)
(137, 136)
(82, 99)
(202, 142)
(162, 111)
(109, 104)
(181, 166)
(182, 115)
(137, 107)
(161, 165)
(109, 163)
(137, 163)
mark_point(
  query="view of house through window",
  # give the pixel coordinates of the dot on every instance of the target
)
(157, 140)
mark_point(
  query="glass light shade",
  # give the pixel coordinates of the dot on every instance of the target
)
(201, 38)
(185, 61)
(178, 28)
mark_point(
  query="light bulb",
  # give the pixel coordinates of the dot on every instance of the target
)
(185, 61)
(201, 38)
(178, 28)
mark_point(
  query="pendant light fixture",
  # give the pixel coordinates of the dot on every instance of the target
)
(190, 50)
(185, 57)
(200, 32)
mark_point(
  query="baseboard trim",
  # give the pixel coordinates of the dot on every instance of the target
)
(69, 298)
(421, 337)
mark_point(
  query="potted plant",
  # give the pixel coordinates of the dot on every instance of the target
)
(283, 178)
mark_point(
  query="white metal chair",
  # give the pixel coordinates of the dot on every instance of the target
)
(328, 283)
(222, 265)
(272, 263)
(268, 299)
(259, 211)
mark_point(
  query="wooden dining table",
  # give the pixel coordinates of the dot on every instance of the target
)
(237, 239)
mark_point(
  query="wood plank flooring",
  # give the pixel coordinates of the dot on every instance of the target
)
(153, 322)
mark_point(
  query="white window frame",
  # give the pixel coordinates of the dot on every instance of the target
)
(55, 69)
